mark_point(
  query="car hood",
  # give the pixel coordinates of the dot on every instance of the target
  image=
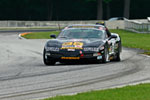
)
(84, 42)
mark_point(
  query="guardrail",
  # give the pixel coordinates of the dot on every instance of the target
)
(140, 26)
(42, 23)
(137, 26)
(56, 24)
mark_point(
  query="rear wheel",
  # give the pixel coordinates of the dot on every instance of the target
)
(118, 53)
(46, 60)
(118, 57)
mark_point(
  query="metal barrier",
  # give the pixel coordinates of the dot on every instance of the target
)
(137, 26)
(42, 23)
(57, 24)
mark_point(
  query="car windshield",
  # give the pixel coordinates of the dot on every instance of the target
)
(82, 33)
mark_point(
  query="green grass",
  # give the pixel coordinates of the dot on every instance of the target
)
(137, 92)
(147, 53)
(40, 35)
(134, 40)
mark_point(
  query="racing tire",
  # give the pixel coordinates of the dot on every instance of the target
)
(48, 61)
(117, 58)
(105, 57)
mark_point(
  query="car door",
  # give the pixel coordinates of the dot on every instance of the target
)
(111, 44)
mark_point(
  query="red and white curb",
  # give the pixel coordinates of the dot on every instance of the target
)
(23, 34)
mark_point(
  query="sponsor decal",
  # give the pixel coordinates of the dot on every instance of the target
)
(52, 49)
(70, 58)
(116, 46)
(71, 49)
(67, 43)
(72, 45)
(111, 58)
(91, 49)
(110, 49)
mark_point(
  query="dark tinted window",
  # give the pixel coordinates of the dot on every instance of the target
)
(82, 33)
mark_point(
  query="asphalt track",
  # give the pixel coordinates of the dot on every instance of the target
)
(23, 76)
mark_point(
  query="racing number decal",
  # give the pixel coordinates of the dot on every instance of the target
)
(72, 45)
(78, 44)
(67, 43)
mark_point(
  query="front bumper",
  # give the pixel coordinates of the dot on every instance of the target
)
(73, 55)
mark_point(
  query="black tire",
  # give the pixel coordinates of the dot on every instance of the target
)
(48, 61)
(117, 58)
(105, 57)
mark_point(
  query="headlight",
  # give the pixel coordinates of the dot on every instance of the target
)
(52, 49)
(101, 48)
(53, 44)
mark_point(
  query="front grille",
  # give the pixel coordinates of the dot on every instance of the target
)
(88, 55)
(56, 54)
(65, 54)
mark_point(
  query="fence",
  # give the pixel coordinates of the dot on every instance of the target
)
(56, 24)
(138, 26)
(42, 23)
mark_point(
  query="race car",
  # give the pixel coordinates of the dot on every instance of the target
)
(83, 43)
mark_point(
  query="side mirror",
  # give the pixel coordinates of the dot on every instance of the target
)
(112, 36)
(53, 36)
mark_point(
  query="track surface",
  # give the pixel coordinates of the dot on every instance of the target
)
(23, 76)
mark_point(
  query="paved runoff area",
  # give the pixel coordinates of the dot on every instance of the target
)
(23, 76)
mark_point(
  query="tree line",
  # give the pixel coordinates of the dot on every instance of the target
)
(73, 9)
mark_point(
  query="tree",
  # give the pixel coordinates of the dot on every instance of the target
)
(99, 9)
(127, 8)
(107, 8)
(50, 9)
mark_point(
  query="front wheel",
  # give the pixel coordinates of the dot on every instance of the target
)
(46, 60)
(105, 57)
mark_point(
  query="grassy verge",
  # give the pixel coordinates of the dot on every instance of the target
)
(40, 35)
(137, 92)
(147, 53)
(134, 40)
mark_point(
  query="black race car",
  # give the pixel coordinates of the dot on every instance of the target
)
(83, 42)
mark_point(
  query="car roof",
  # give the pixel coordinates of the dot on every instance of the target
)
(85, 25)
(89, 26)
